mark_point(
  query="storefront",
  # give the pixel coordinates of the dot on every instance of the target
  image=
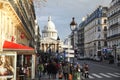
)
(22, 55)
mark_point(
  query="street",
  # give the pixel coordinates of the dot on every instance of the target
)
(102, 70)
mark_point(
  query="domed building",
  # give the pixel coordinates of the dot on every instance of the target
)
(50, 41)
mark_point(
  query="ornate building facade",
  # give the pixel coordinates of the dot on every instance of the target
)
(95, 28)
(113, 32)
(50, 41)
(17, 32)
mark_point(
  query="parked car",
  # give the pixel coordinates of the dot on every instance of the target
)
(79, 57)
(96, 58)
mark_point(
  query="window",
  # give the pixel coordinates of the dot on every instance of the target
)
(99, 28)
(99, 45)
(105, 28)
(98, 21)
(105, 21)
(105, 43)
(105, 36)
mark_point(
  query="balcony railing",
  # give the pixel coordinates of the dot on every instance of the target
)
(114, 14)
(114, 36)
(114, 25)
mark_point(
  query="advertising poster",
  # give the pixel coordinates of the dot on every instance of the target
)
(7, 66)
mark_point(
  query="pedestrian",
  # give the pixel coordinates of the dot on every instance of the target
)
(49, 69)
(66, 71)
(21, 74)
(40, 69)
(45, 68)
(86, 71)
(25, 71)
(54, 70)
(60, 75)
(76, 74)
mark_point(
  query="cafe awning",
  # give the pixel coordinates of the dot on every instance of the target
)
(16, 47)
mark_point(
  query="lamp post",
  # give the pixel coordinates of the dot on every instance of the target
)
(115, 53)
(73, 26)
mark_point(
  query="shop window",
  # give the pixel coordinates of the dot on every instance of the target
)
(99, 53)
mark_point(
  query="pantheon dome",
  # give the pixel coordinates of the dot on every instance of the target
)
(49, 30)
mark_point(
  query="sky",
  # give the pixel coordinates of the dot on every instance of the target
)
(62, 11)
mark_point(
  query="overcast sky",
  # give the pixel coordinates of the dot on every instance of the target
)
(62, 12)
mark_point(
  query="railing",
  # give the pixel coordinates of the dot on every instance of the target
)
(114, 14)
(114, 36)
(113, 25)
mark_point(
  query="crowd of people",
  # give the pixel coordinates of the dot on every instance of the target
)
(63, 70)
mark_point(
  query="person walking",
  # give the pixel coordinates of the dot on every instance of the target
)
(86, 71)
(66, 70)
(21, 74)
(76, 74)
(40, 69)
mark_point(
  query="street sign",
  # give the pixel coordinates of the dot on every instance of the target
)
(69, 55)
(69, 51)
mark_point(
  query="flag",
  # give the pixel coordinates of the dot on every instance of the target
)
(12, 38)
(22, 36)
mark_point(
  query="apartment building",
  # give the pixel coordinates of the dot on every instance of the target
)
(113, 33)
(95, 32)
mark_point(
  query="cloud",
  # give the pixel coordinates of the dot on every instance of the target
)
(62, 12)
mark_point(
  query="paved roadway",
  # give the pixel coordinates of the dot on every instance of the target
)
(102, 70)
(98, 71)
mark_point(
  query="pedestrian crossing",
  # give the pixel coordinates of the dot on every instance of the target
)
(93, 76)
(103, 75)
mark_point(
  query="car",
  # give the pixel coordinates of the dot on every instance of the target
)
(96, 58)
(80, 57)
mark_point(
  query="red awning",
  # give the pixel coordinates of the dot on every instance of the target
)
(14, 46)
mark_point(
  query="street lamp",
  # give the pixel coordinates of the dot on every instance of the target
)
(73, 26)
(114, 47)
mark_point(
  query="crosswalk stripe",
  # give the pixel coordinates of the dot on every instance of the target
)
(113, 75)
(91, 77)
(97, 75)
(117, 73)
(105, 75)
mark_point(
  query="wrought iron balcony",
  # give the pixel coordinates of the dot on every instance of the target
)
(114, 25)
(114, 36)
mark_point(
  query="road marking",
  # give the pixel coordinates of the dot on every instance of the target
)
(91, 77)
(105, 75)
(113, 75)
(117, 73)
(97, 75)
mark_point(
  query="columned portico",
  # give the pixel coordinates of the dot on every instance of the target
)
(53, 46)
(49, 37)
